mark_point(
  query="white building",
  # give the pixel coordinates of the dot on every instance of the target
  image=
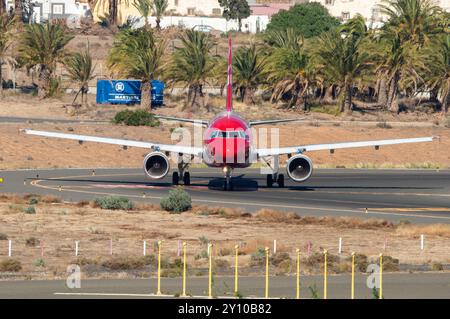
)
(194, 8)
(369, 9)
(44, 10)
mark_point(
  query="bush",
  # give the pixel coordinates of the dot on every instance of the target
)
(39, 262)
(114, 203)
(10, 265)
(221, 263)
(437, 267)
(178, 201)
(3, 236)
(32, 241)
(128, 263)
(258, 258)
(361, 262)
(278, 258)
(136, 118)
(390, 263)
(33, 201)
(30, 210)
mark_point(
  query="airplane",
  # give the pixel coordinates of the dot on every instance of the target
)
(227, 144)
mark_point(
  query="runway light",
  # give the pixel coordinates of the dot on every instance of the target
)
(1, 179)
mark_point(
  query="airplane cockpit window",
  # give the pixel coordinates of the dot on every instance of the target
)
(228, 134)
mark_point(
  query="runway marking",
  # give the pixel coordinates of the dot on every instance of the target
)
(412, 209)
(251, 203)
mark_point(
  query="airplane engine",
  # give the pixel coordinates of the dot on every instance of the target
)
(299, 168)
(156, 165)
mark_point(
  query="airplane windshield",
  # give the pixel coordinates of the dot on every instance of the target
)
(228, 134)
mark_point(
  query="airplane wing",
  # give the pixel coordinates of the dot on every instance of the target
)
(320, 147)
(196, 151)
(253, 123)
(171, 118)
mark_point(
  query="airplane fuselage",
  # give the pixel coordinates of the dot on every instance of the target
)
(227, 142)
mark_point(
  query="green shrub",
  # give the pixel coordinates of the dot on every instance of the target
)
(278, 258)
(390, 263)
(39, 262)
(32, 241)
(135, 118)
(30, 210)
(114, 203)
(361, 262)
(178, 201)
(258, 258)
(12, 265)
(33, 201)
(437, 267)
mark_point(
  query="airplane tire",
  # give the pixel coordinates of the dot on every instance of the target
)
(280, 180)
(175, 178)
(187, 178)
(269, 180)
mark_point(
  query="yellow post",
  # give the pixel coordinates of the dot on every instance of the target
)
(210, 271)
(353, 275)
(236, 273)
(325, 254)
(381, 277)
(267, 273)
(298, 273)
(184, 270)
(158, 292)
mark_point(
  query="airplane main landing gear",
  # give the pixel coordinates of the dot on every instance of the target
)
(181, 173)
(275, 178)
(175, 178)
(187, 178)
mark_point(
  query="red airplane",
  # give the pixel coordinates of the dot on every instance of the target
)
(228, 144)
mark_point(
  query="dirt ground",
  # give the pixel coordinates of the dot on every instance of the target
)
(58, 226)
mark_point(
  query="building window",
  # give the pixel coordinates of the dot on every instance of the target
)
(57, 8)
(376, 14)
(216, 11)
(345, 15)
(328, 2)
(176, 3)
(191, 11)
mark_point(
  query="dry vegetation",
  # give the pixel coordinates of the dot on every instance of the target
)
(58, 225)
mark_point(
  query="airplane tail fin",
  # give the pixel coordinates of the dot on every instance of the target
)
(230, 74)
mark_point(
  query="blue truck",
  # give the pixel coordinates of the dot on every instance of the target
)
(127, 92)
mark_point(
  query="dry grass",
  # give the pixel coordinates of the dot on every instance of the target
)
(441, 230)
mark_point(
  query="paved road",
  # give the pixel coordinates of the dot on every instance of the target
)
(14, 119)
(421, 196)
(420, 285)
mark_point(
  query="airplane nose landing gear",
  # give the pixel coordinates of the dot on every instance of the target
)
(227, 186)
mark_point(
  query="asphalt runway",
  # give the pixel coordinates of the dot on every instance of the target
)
(419, 196)
(399, 286)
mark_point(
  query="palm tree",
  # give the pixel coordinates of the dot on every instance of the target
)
(159, 8)
(80, 68)
(7, 24)
(248, 67)
(287, 66)
(18, 11)
(138, 54)
(439, 75)
(143, 6)
(2, 7)
(42, 47)
(411, 25)
(192, 64)
(340, 57)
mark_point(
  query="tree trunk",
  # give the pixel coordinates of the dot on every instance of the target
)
(248, 96)
(18, 11)
(112, 12)
(2, 6)
(146, 96)
(392, 103)
(1, 77)
(328, 96)
(446, 103)
(239, 24)
(382, 92)
(158, 22)
(346, 104)
(44, 82)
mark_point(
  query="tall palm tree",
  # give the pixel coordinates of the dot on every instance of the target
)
(80, 68)
(340, 56)
(439, 75)
(411, 25)
(42, 47)
(138, 54)
(287, 66)
(248, 68)
(18, 10)
(159, 8)
(144, 7)
(7, 24)
(192, 63)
